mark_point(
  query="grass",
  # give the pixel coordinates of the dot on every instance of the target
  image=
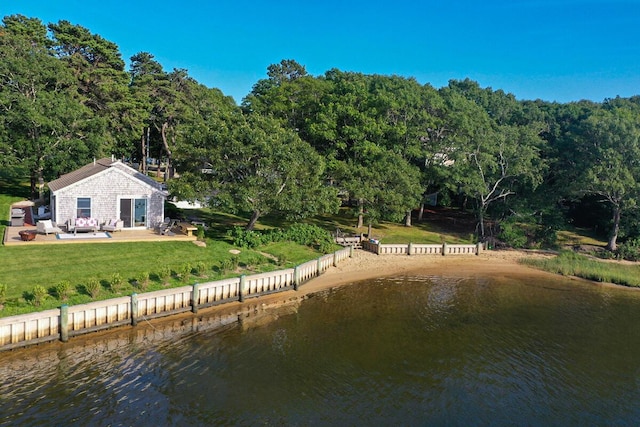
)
(25, 268)
(569, 263)
(573, 236)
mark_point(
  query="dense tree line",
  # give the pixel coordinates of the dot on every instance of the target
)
(299, 144)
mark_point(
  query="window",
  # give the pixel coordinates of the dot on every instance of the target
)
(84, 207)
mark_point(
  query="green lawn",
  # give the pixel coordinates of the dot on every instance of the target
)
(25, 267)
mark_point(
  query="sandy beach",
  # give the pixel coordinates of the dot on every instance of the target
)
(366, 265)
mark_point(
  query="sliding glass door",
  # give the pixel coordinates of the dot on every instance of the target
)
(133, 212)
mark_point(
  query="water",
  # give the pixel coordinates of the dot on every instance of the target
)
(407, 351)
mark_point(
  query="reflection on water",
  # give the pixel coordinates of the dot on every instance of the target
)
(411, 351)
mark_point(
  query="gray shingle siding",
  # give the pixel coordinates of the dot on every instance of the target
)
(106, 189)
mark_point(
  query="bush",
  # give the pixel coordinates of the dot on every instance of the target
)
(629, 250)
(143, 280)
(165, 274)
(302, 234)
(3, 295)
(39, 295)
(185, 271)
(311, 235)
(115, 283)
(245, 238)
(93, 287)
(200, 233)
(512, 234)
(200, 267)
(63, 290)
(226, 266)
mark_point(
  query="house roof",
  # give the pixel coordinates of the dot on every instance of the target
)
(95, 168)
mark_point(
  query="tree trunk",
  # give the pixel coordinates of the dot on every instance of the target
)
(33, 180)
(421, 212)
(165, 126)
(360, 213)
(143, 151)
(481, 224)
(407, 219)
(254, 218)
(369, 231)
(613, 237)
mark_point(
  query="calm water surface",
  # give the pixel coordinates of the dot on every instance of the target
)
(406, 351)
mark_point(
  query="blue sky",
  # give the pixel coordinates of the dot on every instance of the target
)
(555, 50)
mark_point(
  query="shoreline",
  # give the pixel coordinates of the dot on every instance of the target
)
(260, 310)
(366, 265)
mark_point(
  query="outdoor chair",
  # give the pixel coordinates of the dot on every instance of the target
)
(166, 226)
(17, 217)
(113, 225)
(46, 227)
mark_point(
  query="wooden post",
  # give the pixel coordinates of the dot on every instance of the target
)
(378, 248)
(444, 249)
(410, 248)
(296, 277)
(195, 293)
(241, 288)
(478, 248)
(335, 259)
(64, 323)
(319, 267)
(351, 251)
(134, 309)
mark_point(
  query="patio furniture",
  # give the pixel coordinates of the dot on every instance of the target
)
(27, 235)
(113, 225)
(43, 213)
(166, 226)
(17, 217)
(47, 226)
(82, 225)
(187, 228)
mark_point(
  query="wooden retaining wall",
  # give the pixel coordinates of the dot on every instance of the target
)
(421, 249)
(68, 321)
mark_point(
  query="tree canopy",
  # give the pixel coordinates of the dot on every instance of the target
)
(300, 144)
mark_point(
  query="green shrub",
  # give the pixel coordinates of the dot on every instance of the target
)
(310, 235)
(629, 250)
(3, 295)
(200, 267)
(143, 280)
(225, 266)
(200, 233)
(63, 290)
(245, 238)
(512, 234)
(185, 271)
(93, 287)
(302, 234)
(115, 283)
(165, 274)
(39, 295)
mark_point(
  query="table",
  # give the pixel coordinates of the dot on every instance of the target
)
(187, 228)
